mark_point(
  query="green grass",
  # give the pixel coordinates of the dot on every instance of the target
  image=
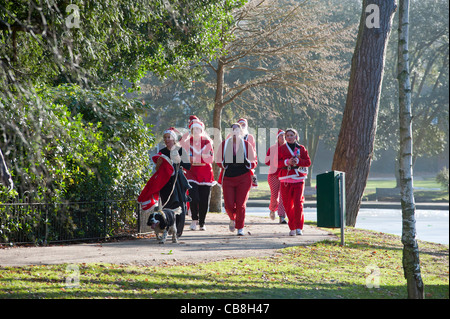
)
(371, 185)
(391, 183)
(321, 270)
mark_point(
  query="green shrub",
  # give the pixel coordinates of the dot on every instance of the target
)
(70, 143)
(442, 178)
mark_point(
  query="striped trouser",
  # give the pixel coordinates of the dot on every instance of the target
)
(276, 203)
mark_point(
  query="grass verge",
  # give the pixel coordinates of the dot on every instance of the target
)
(321, 270)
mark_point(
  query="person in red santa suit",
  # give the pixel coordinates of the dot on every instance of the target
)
(276, 203)
(293, 161)
(247, 136)
(236, 157)
(200, 176)
(252, 141)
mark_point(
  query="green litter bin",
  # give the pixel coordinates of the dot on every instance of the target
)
(329, 199)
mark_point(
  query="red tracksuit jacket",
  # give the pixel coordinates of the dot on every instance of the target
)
(298, 172)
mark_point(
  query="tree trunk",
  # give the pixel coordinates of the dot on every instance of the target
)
(215, 204)
(411, 263)
(354, 149)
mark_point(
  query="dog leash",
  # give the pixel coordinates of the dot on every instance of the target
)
(173, 188)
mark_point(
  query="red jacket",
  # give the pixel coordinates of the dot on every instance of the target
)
(298, 172)
(202, 155)
(272, 159)
(150, 194)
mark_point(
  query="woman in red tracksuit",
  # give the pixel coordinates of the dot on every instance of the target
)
(236, 157)
(293, 161)
(276, 202)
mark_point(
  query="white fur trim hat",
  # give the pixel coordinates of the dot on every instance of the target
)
(243, 121)
(280, 131)
(172, 133)
(194, 121)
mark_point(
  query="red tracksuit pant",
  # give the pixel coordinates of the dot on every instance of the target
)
(235, 196)
(292, 196)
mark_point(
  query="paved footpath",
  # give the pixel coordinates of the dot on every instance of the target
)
(263, 237)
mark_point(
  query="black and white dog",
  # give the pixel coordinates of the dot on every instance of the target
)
(164, 222)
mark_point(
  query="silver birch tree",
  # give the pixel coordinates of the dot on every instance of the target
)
(411, 262)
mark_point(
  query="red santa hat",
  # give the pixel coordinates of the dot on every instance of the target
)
(243, 121)
(173, 133)
(280, 131)
(194, 121)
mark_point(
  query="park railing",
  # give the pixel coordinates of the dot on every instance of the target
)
(43, 223)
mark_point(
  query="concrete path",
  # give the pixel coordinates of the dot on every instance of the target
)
(263, 237)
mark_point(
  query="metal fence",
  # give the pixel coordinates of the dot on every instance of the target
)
(43, 223)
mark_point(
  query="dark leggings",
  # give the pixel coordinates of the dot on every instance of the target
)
(200, 202)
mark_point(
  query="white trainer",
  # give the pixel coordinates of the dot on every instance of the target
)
(232, 225)
(272, 215)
